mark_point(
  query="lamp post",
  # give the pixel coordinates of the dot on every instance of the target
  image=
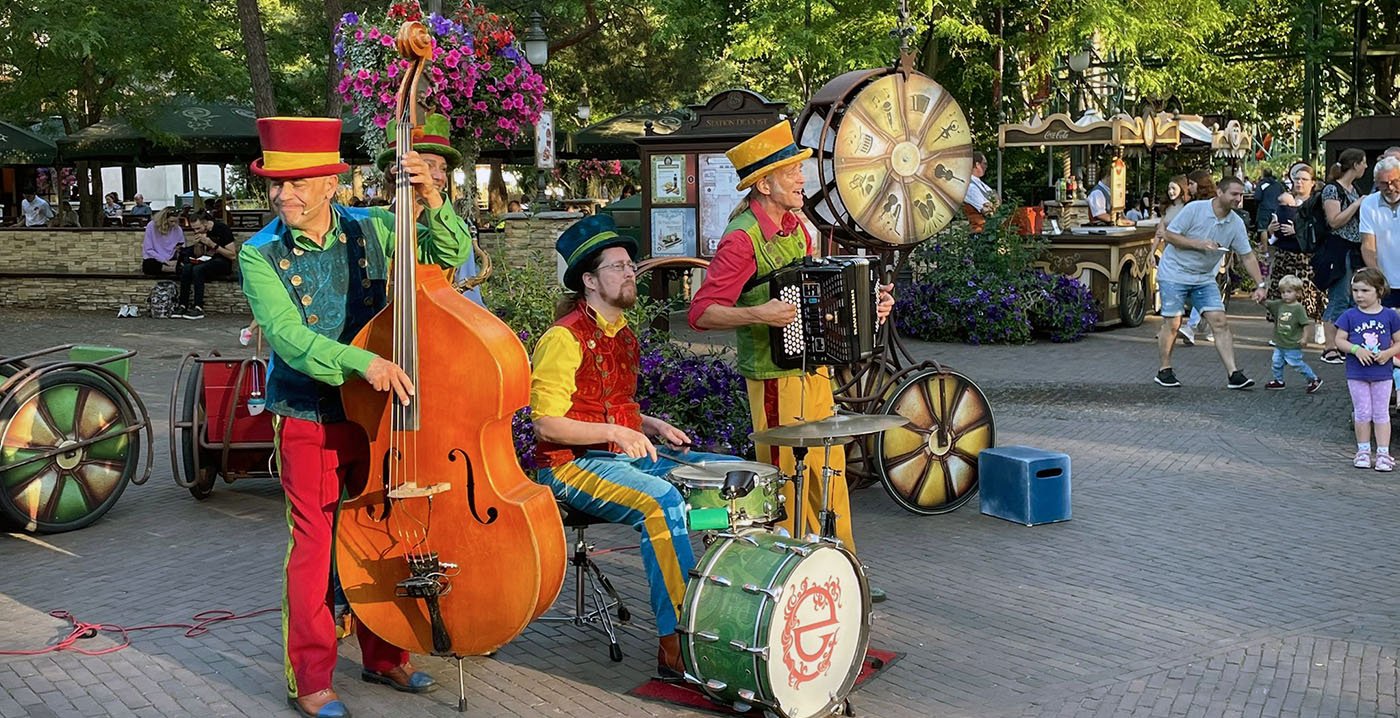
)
(537, 52)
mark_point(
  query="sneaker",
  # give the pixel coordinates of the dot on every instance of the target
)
(193, 313)
(1274, 384)
(1239, 381)
(177, 312)
(1167, 377)
(1272, 344)
(1333, 356)
(121, 310)
(1187, 334)
(133, 311)
(1362, 460)
(245, 336)
(1314, 384)
(1384, 462)
(1209, 336)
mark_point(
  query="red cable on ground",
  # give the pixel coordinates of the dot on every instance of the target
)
(204, 619)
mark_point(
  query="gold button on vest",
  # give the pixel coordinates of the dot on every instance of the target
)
(312, 319)
(296, 280)
(306, 300)
(285, 264)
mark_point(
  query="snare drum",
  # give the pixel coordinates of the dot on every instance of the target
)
(700, 489)
(775, 623)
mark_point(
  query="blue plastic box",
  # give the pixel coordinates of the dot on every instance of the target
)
(1022, 484)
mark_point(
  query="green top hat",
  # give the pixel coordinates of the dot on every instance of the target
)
(435, 141)
(587, 237)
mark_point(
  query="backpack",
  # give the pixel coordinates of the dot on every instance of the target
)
(1310, 224)
(161, 299)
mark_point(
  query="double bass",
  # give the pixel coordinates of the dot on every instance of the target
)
(449, 548)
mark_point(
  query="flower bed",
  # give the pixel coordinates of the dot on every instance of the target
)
(984, 289)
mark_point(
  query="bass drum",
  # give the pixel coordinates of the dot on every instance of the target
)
(775, 623)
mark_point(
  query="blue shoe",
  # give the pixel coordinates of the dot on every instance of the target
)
(401, 680)
(334, 709)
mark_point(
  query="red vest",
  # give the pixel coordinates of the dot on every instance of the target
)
(605, 385)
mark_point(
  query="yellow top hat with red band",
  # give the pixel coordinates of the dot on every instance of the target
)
(297, 147)
(765, 152)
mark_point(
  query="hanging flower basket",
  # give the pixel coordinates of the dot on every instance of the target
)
(477, 76)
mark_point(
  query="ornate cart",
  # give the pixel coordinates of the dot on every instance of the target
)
(218, 426)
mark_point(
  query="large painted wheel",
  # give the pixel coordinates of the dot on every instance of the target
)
(930, 466)
(875, 381)
(1133, 296)
(192, 409)
(72, 489)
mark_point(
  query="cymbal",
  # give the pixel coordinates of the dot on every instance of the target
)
(821, 432)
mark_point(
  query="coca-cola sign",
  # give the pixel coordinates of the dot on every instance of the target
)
(1057, 135)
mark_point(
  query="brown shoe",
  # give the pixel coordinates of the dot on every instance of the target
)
(321, 704)
(668, 657)
(401, 678)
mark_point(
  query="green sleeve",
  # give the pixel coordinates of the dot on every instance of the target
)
(445, 240)
(318, 357)
(1272, 305)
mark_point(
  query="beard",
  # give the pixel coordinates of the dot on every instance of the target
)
(624, 298)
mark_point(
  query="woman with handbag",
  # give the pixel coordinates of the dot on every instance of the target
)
(1341, 254)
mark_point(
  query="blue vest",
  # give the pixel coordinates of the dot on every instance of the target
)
(338, 290)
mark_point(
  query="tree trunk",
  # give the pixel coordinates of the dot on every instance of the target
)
(496, 190)
(334, 9)
(90, 207)
(255, 47)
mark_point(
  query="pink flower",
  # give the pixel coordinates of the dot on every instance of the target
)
(363, 74)
(382, 120)
(479, 106)
(451, 59)
(373, 33)
(386, 41)
(476, 131)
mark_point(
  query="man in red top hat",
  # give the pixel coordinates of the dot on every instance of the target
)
(314, 277)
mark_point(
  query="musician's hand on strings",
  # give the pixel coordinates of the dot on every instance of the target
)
(634, 444)
(385, 375)
(882, 310)
(422, 180)
(775, 313)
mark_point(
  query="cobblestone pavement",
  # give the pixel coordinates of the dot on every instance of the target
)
(1224, 560)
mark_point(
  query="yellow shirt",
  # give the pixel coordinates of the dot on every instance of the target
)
(556, 362)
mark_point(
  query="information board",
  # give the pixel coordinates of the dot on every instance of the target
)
(717, 199)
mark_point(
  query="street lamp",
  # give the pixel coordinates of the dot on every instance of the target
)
(1079, 61)
(537, 52)
(537, 41)
(584, 111)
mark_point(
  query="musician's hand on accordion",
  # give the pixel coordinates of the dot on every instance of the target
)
(882, 310)
(775, 313)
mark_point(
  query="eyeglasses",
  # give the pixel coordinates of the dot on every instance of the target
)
(1395, 183)
(620, 267)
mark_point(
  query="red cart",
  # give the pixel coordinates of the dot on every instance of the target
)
(218, 427)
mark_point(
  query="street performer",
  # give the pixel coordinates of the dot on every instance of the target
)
(766, 232)
(313, 278)
(435, 147)
(595, 449)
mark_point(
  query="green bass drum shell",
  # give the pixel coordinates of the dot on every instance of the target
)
(775, 623)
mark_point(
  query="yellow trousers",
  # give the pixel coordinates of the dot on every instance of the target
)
(778, 402)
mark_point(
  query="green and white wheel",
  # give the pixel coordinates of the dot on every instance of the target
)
(73, 488)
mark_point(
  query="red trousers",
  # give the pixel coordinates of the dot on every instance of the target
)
(316, 461)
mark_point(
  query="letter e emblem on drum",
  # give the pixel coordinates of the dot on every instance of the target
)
(810, 630)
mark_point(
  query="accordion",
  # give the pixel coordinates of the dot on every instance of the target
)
(835, 300)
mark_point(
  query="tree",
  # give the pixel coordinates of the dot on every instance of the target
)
(255, 45)
(84, 62)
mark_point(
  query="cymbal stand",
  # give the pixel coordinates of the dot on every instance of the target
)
(827, 516)
(799, 481)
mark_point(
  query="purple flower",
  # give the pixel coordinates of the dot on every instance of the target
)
(349, 18)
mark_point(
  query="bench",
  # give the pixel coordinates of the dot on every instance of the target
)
(105, 291)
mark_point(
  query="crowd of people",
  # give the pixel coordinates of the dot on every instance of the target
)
(1326, 265)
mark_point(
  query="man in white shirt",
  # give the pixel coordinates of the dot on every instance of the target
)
(1380, 226)
(980, 200)
(1200, 234)
(35, 210)
(1101, 198)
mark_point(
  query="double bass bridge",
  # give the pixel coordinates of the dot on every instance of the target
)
(411, 490)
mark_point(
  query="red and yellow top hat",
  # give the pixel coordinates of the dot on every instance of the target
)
(297, 147)
(765, 152)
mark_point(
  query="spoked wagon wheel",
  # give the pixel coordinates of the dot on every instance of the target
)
(68, 490)
(1133, 294)
(930, 466)
(201, 472)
